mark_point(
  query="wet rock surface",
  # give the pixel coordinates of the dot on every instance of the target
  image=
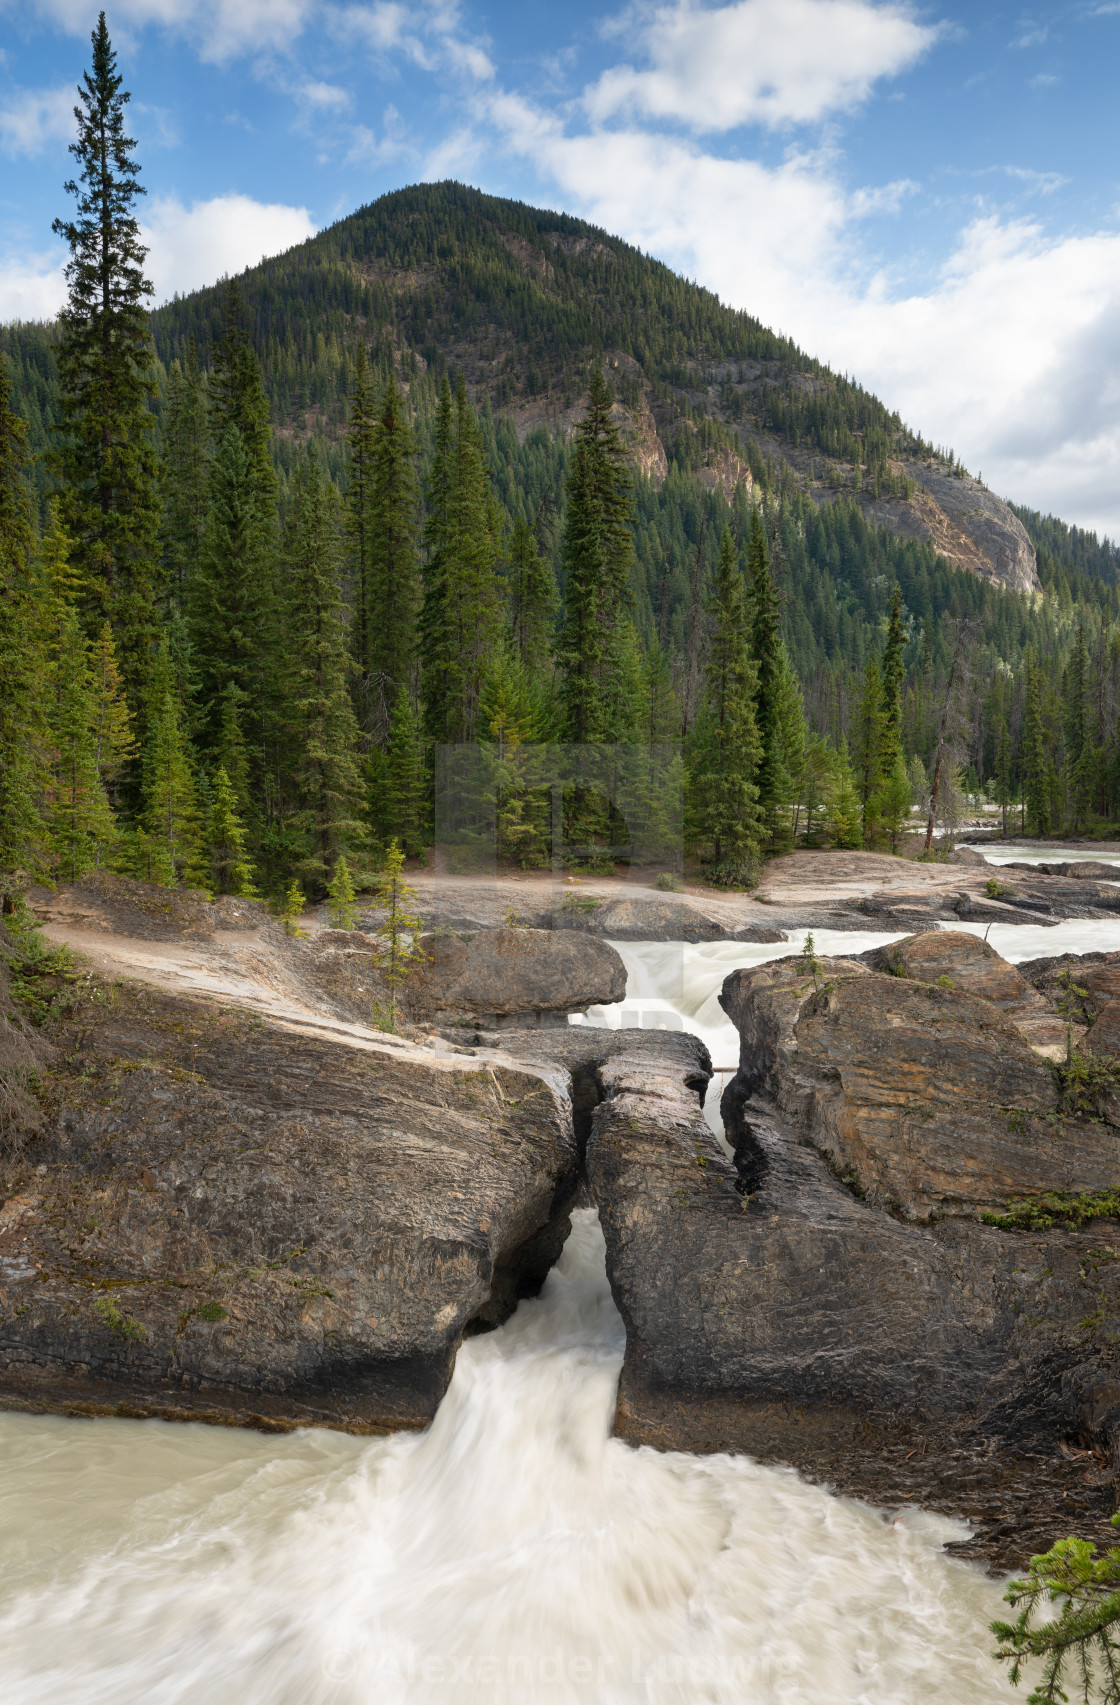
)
(219, 1219)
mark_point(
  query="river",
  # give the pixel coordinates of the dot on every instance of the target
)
(513, 1554)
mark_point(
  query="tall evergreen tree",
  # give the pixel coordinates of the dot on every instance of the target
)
(596, 650)
(869, 734)
(1035, 777)
(237, 397)
(167, 845)
(223, 858)
(230, 602)
(114, 739)
(24, 845)
(361, 431)
(402, 807)
(892, 674)
(393, 572)
(184, 445)
(318, 706)
(460, 615)
(106, 455)
(531, 600)
(726, 750)
(81, 820)
(778, 710)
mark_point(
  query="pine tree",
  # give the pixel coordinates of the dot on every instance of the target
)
(868, 755)
(24, 844)
(184, 445)
(777, 702)
(393, 565)
(1077, 718)
(230, 603)
(237, 398)
(402, 807)
(223, 855)
(167, 851)
(361, 431)
(531, 601)
(400, 930)
(892, 674)
(727, 752)
(845, 826)
(340, 896)
(596, 648)
(105, 361)
(81, 820)
(460, 615)
(114, 741)
(1035, 768)
(319, 710)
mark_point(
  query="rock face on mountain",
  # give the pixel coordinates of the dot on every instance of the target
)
(219, 1218)
(967, 524)
(929, 1098)
(783, 1306)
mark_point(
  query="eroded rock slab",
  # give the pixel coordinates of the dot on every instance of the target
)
(773, 1312)
(222, 1219)
(512, 975)
(928, 1097)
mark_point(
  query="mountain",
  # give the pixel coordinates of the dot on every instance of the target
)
(521, 301)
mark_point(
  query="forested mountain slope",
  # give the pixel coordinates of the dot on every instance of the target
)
(715, 412)
(522, 300)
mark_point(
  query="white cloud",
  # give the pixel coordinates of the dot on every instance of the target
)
(30, 118)
(191, 247)
(221, 29)
(32, 287)
(1010, 352)
(760, 61)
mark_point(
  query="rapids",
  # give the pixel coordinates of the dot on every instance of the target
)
(513, 1554)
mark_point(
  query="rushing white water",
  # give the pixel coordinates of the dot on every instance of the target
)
(673, 985)
(1038, 852)
(513, 1553)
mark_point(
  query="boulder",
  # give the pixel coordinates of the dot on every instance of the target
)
(927, 1097)
(511, 976)
(222, 1218)
(639, 920)
(961, 960)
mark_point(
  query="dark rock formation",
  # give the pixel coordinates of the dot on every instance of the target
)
(511, 975)
(773, 1307)
(928, 1097)
(774, 1312)
(222, 1219)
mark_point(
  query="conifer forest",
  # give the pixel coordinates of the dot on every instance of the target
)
(267, 550)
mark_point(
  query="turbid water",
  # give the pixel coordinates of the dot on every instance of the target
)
(1043, 852)
(514, 1554)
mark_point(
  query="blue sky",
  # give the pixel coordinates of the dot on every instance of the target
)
(928, 198)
